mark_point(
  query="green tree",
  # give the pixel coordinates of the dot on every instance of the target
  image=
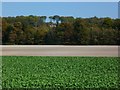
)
(79, 27)
(41, 34)
(57, 19)
(107, 23)
(51, 19)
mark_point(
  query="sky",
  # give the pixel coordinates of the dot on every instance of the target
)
(76, 9)
(0, 9)
(59, 0)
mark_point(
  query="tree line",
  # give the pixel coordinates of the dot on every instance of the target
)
(60, 30)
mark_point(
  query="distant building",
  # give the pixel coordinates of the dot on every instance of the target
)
(52, 25)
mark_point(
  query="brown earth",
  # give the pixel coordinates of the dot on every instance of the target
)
(47, 50)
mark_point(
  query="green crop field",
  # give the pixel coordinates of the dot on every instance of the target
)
(59, 72)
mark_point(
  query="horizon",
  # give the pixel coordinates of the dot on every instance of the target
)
(48, 19)
(75, 9)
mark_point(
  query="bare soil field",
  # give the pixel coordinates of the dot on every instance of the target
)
(58, 50)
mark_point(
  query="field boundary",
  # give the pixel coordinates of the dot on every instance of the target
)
(59, 50)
